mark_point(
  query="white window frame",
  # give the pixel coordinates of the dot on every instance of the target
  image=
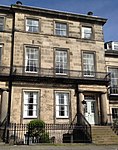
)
(34, 104)
(31, 59)
(33, 26)
(60, 29)
(1, 23)
(62, 104)
(115, 47)
(87, 32)
(61, 62)
(88, 64)
(114, 80)
(114, 76)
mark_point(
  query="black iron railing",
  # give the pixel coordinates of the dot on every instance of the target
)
(3, 126)
(84, 127)
(87, 126)
(115, 125)
(22, 134)
(51, 72)
(113, 90)
(51, 133)
(113, 122)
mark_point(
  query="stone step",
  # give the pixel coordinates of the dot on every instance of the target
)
(104, 135)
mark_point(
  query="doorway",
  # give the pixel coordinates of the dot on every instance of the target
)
(90, 108)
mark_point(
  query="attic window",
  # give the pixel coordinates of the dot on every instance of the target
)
(86, 32)
(32, 25)
(61, 29)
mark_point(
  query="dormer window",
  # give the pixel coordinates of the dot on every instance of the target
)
(86, 32)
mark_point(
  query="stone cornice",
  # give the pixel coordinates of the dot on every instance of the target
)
(55, 13)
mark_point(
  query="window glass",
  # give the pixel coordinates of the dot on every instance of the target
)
(114, 76)
(61, 62)
(88, 64)
(31, 59)
(86, 32)
(30, 104)
(61, 29)
(32, 25)
(62, 105)
(114, 80)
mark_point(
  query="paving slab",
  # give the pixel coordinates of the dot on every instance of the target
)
(62, 147)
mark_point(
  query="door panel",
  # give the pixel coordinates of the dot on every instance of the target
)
(90, 110)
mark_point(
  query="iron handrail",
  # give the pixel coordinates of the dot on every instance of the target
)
(84, 123)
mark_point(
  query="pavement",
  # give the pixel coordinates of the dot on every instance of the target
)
(61, 147)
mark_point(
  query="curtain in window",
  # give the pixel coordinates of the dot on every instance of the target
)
(31, 59)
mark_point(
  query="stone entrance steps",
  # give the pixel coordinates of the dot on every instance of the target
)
(103, 135)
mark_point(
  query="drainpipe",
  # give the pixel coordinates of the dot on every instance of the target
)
(11, 69)
(78, 103)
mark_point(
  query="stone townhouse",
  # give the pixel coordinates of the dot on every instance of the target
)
(111, 57)
(53, 66)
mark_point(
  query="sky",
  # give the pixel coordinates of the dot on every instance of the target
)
(104, 8)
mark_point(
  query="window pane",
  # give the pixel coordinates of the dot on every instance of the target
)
(62, 105)
(31, 59)
(87, 32)
(114, 76)
(32, 25)
(61, 62)
(61, 111)
(30, 104)
(88, 64)
(61, 29)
